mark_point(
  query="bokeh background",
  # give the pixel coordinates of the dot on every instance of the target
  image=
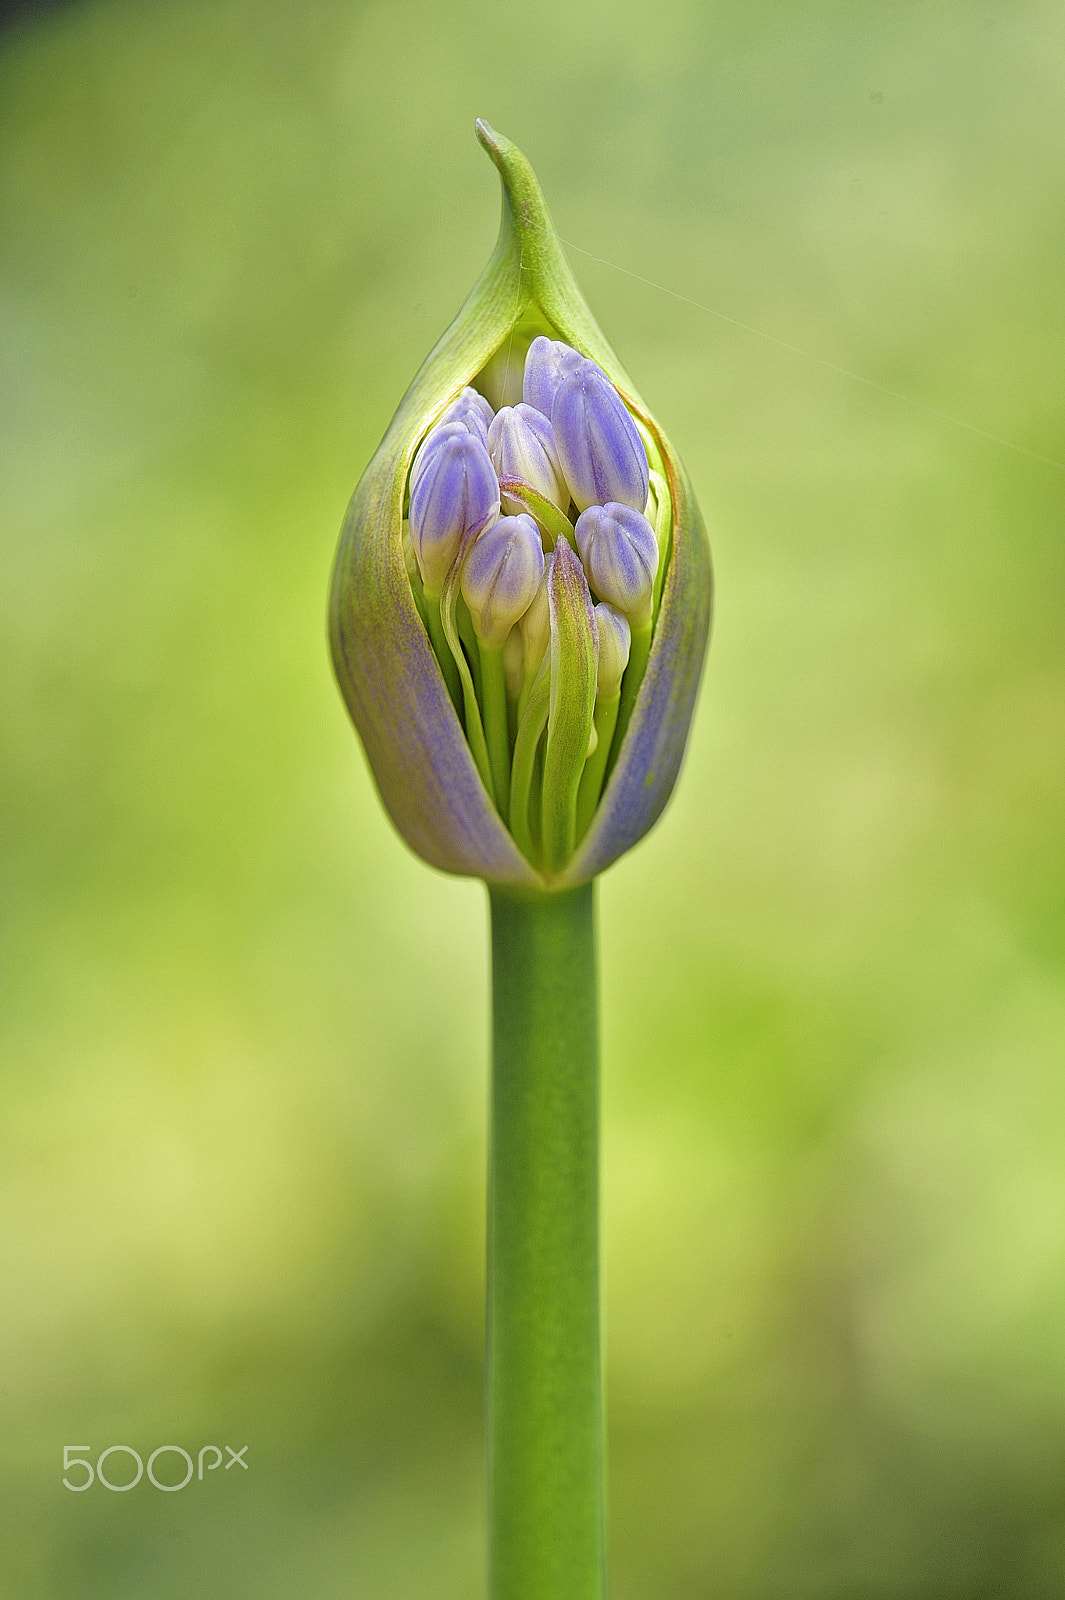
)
(244, 1032)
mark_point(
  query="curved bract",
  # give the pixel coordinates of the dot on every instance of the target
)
(434, 775)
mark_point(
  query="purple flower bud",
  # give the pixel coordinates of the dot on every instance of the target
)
(501, 576)
(620, 555)
(473, 397)
(601, 453)
(547, 363)
(615, 642)
(522, 445)
(472, 410)
(457, 491)
(432, 441)
(404, 654)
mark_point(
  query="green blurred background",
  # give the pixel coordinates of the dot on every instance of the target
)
(244, 1032)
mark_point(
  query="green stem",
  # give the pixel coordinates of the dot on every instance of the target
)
(536, 803)
(529, 677)
(474, 729)
(494, 703)
(441, 648)
(468, 637)
(545, 1406)
(530, 728)
(591, 785)
(639, 650)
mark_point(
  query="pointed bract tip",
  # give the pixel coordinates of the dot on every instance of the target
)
(487, 134)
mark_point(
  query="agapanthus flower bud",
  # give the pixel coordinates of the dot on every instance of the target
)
(522, 445)
(457, 492)
(620, 555)
(615, 640)
(453, 429)
(472, 410)
(531, 754)
(599, 447)
(501, 576)
(547, 363)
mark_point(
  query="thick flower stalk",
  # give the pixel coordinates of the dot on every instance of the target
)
(519, 614)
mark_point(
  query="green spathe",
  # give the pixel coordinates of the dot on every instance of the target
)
(432, 786)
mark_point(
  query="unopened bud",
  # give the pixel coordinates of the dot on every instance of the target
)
(472, 410)
(522, 445)
(620, 555)
(457, 491)
(454, 725)
(432, 442)
(599, 448)
(501, 576)
(615, 640)
(547, 363)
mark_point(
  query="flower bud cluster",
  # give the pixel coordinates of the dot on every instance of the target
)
(520, 602)
(494, 497)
